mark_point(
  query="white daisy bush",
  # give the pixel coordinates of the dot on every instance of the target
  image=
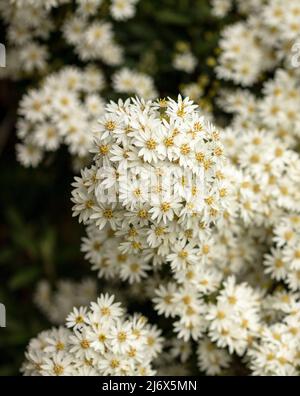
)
(193, 215)
(161, 191)
(99, 339)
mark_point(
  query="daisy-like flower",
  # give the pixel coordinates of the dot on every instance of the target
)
(164, 300)
(164, 210)
(29, 154)
(183, 256)
(211, 359)
(275, 265)
(133, 270)
(98, 336)
(57, 365)
(121, 338)
(77, 318)
(123, 9)
(185, 61)
(106, 308)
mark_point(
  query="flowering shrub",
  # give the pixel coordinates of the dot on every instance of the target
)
(190, 206)
(211, 229)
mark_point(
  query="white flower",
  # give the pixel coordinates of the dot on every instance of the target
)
(185, 61)
(134, 270)
(57, 365)
(211, 359)
(121, 338)
(133, 82)
(164, 302)
(33, 57)
(123, 9)
(29, 154)
(106, 309)
(77, 318)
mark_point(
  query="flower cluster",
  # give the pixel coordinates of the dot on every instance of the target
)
(201, 221)
(97, 340)
(218, 251)
(264, 41)
(83, 26)
(276, 352)
(63, 110)
(275, 112)
(158, 182)
(221, 8)
(269, 175)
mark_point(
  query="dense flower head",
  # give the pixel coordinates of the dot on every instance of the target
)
(98, 340)
(276, 351)
(221, 265)
(158, 180)
(283, 261)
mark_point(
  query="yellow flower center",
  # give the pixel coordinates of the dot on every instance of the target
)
(151, 144)
(84, 344)
(185, 149)
(122, 336)
(108, 213)
(165, 206)
(110, 125)
(58, 369)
